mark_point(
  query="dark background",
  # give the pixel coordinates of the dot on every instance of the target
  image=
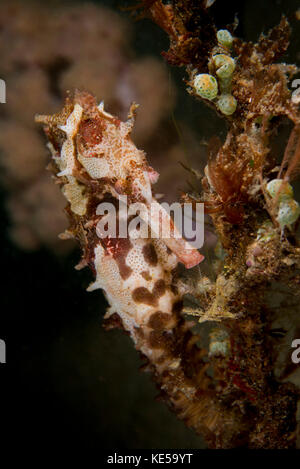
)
(67, 383)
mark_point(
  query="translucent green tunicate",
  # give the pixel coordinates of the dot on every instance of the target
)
(224, 38)
(227, 104)
(206, 86)
(288, 213)
(286, 190)
(225, 66)
(225, 85)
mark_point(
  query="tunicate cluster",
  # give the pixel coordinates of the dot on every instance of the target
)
(288, 209)
(218, 89)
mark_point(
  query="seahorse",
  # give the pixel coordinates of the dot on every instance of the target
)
(95, 161)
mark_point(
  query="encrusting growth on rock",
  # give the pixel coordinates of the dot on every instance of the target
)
(229, 393)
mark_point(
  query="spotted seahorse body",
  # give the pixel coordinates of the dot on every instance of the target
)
(96, 161)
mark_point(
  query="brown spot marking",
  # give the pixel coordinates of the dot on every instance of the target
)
(159, 288)
(161, 339)
(143, 295)
(159, 320)
(150, 255)
(146, 275)
(119, 248)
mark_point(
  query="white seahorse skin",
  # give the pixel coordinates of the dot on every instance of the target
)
(66, 162)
